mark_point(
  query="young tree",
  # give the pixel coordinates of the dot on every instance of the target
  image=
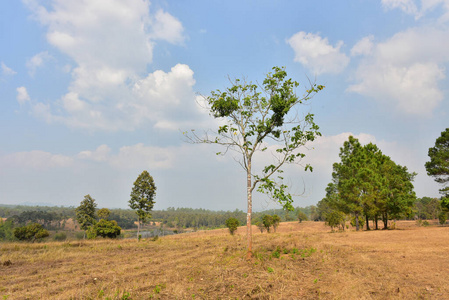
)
(335, 219)
(347, 179)
(85, 213)
(267, 221)
(142, 198)
(302, 216)
(438, 166)
(260, 226)
(232, 224)
(275, 220)
(254, 114)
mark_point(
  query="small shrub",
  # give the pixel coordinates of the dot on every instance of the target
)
(442, 217)
(30, 232)
(91, 233)
(335, 219)
(107, 229)
(260, 226)
(302, 217)
(270, 270)
(232, 224)
(275, 219)
(61, 236)
(425, 223)
(267, 221)
(276, 253)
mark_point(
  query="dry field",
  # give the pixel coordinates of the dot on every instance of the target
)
(300, 261)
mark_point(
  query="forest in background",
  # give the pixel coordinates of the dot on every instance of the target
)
(178, 220)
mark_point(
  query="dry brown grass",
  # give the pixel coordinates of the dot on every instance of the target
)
(398, 264)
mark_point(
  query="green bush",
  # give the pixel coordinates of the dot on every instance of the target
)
(232, 224)
(61, 236)
(302, 217)
(335, 219)
(442, 217)
(6, 230)
(267, 221)
(91, 233)
(105, 229)
(275, 221)
(260, 226)
(30, 232)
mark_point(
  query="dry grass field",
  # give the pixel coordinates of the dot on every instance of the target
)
(300, 261)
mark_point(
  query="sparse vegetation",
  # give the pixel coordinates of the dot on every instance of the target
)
(303, 257)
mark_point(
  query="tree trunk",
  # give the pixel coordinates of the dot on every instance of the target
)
(138, 229)
(375, 220)
(385, 220)
(367, 222)
(357, 225)
(249, 212)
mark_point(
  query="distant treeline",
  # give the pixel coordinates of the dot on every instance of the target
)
(55, 217)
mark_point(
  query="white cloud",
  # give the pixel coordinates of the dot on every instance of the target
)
(405, 71)
(429, 5)
(22, 95)
(100, 154)
(111, 44)
(140, 156)
(408, 6)
(6, 71)
(128, 157)
(166, 27)
(315, 53)
(411, 7)
(35, 160)
(363, 47)
(37, 61)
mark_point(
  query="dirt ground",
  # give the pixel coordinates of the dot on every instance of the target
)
(299, 261)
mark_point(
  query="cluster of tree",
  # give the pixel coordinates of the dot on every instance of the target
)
(7, 211)
(298, 213)
(267, 221)
(367, 185)
(30, 232)
(96, 223)
(48, 219)
(196, 218)
(427, 208)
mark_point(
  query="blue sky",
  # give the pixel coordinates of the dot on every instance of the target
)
(94, 92)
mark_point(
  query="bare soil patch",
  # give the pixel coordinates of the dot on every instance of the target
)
(299, 261)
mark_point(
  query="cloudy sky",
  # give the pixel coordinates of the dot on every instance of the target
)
(93, 92)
